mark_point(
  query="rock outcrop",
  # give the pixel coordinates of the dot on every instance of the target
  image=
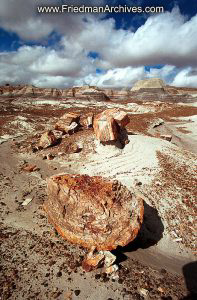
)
(107, 124)
(93, 211)
(95, 94)
(151, 83)
(150, 90)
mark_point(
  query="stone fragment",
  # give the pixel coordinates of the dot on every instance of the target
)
(109, 258)
(68, 295)
(93, 260)
(93, 211)
(47, 139)
(87, 120)
(27, 201)
(66, 120)
(166, 137)
(160, 289)
(143, 292)
(107, 124)
(97, 259)
(120, 117)
(48, 156)
(58, 134)
(72, 148)
(110, 270)
(29, 168)
(72, 128)
(157, 122)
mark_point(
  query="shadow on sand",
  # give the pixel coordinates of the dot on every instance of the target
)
(150, 233)
(190, 276)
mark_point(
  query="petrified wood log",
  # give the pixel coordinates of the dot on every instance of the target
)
(47, 139)
(108, 123)
(66, 120)
(93, 211)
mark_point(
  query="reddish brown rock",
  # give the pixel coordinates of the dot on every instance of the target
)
(93, 211)
(73, 148)
(47, 139)
(66, 120)
(29, 168)
(93, 260)
(120, 117)
(87, 120)
(105, 128)
(108, 123)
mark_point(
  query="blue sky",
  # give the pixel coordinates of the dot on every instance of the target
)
(107, 50)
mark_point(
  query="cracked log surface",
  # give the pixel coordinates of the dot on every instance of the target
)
(93, 211)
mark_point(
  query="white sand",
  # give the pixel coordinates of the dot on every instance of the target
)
(189, 124)
(137, 161)
(44, 102)
(6, 137)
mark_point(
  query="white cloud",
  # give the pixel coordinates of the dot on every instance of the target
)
(40, 65)
(164, 39)
(166, 73)
(22, 17)
(118, 77)
(168, 39)
(186, 77)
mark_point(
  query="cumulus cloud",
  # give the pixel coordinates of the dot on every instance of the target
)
(118, 77)
(186, 77)
(168, 39)
(164, 39)
(40, 65)
(22, 17)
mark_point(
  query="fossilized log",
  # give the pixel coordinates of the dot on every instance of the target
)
(93, 211)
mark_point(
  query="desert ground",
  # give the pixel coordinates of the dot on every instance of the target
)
(158, 163)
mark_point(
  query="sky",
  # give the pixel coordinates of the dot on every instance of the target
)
(109, 50)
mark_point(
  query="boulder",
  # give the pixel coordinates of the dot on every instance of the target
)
(93, 211)
(107, 124)
(66, 120)
(47, 139)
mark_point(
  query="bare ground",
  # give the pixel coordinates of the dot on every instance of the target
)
(35, 262)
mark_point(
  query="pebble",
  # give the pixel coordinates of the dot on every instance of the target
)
(143, 292)
(77, 292)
